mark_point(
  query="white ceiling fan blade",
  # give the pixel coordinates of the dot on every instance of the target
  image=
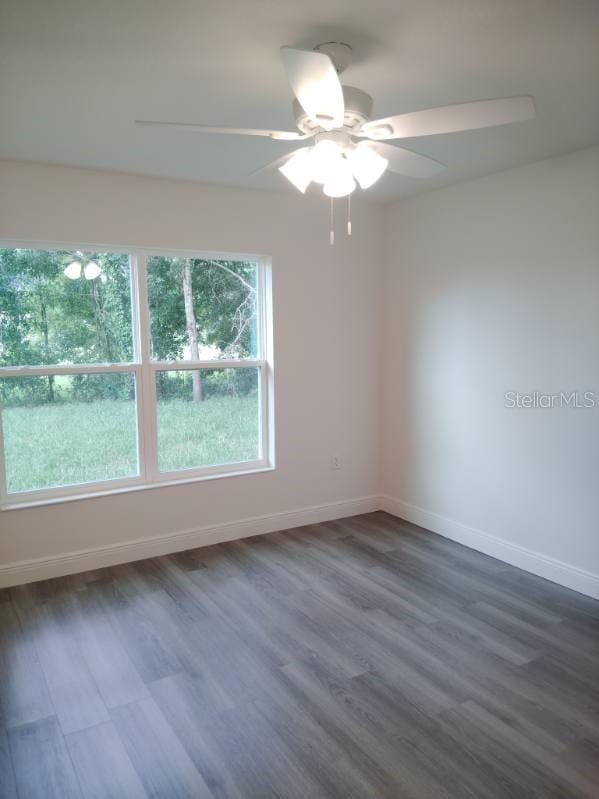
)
(315, 83)
(452, 118)
(405, 162)
(281, 135)
(272, 166)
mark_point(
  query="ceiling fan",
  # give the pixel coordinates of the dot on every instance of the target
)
(348, 146)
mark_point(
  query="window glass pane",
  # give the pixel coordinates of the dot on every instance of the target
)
(207, 417)
(68, 429)
(64, 307)
(202, 309)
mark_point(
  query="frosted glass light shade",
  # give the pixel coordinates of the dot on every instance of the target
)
(91, 271)
(367, 165)
(323, 156)
(297, 169)
(340, 182)
(73, 270)
(326, 163)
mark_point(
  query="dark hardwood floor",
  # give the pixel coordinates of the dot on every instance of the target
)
(358, 658)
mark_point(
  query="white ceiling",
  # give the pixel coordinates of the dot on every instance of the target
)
(74, 74)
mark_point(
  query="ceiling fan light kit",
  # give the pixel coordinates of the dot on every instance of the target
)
(336, 163)
(350, 149)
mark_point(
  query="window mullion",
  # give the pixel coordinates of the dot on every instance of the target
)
(66, 369)
(146, 388)
(265, 352)
(260, 327)
(183, 365)
(3, 485)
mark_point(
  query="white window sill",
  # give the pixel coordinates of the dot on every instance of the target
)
(13, 503)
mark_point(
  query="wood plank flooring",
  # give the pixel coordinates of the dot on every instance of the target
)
(360, 658)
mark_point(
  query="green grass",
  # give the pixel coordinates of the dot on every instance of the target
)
(79, 442)
(219, 430)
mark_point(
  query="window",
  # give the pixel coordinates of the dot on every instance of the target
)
(124, 370)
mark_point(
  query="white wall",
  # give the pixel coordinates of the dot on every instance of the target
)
(491, 286)
(325, 335)
(488, 286)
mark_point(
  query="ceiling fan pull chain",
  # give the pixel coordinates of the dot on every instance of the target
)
(349, 214)
(332, 233)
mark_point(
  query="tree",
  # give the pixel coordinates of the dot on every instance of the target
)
(27, 292)
(191, 328)
(197, 303)
(47, 318)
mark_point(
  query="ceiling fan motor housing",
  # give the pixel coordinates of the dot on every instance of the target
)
(358, 110)
(339, 53)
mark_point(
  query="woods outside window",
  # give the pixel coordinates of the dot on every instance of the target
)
(130, 369)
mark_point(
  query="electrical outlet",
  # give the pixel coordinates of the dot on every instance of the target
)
(335, 462)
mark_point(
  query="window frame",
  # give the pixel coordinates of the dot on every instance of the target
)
(144, 369)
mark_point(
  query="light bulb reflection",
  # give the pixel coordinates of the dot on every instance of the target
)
(92, 270)
(73, 270)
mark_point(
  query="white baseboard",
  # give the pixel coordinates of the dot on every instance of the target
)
(83, 560)
(551, 569)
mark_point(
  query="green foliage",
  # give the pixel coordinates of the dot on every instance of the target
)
(47, 318)
(217, 383)
(87, 388)
(231, 382)
(224, 304)
(24, 391)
